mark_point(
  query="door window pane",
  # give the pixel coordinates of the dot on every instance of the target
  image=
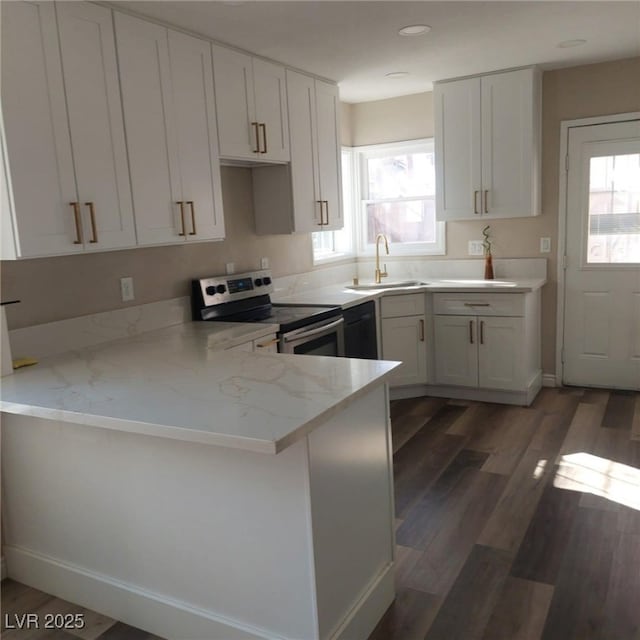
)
(614, 209)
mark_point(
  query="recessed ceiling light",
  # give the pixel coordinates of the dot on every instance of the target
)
(397, 74)
(567, 44)
(414, 30)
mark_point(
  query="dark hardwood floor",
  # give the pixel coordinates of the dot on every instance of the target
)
(511, 524)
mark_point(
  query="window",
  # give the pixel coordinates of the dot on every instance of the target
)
(337, 245)
(398, 190)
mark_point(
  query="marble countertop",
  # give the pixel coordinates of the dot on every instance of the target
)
(342, 295)
(176, 383)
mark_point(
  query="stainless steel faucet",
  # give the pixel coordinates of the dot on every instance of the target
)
(381, 274)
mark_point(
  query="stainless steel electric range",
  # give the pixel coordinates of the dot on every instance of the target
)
(246, 297)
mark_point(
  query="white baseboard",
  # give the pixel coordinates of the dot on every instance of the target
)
(128, 603)
(3, 568)
(549, 380)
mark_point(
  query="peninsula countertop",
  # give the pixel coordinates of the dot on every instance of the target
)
(176, 383)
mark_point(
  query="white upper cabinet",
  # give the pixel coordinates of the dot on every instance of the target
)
(251, 107)
(306, 196)
(169, 110)
(64, 134)
(487, 135)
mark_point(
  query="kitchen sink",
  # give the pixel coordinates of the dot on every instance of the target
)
(373, 286)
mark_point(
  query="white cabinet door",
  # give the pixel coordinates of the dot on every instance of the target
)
(329, 153)
(238, 131)
(501, 353)
(403, 339)
(194, 105)
(456, 351)
(169, 110)
(271, 110)
(245, 346)
(147, 96)
(36, 130)
(305, 181)
(458, 149)
(97, 130)
(508, 144)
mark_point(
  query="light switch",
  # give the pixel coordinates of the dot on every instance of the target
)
(476, 248)
(126, 289)
(545, 245)
(230, 268)
(264, 263)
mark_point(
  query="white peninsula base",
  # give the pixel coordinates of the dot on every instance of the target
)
(193, 541)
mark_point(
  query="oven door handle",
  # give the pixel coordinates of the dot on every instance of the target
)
(313, 332)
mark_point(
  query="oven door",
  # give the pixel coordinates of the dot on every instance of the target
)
(324, 338)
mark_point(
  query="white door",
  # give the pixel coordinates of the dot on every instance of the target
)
(37, 131)
(456, 350)
(271, 109)
(194, 107)
(500, 353)
(403, 339)
(147, 97)
(238, 130)
(329, 153)
(602, 279)
(97, 131)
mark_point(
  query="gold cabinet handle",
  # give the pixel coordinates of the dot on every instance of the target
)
(475, 202)
(92, 217)
(181, 203)
(321, 203)
(481, 331)
(264, 345)
(193, 218)
(256, 128)
(76, 217)
(471, 331)
(263, 127)
(486, 201)
(326, 204)
(421, 330)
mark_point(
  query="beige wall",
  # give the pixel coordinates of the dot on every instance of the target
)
(68, 286)
(57, 288)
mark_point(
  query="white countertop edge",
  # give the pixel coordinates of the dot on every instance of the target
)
(185, 434)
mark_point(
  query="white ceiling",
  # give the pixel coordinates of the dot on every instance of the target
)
(356, 43)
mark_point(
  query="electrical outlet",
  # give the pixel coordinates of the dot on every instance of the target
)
(545, 245)
(264, 263)
(476, 248)
(126, 289)
(230, 267)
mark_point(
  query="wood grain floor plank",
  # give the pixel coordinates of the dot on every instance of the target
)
(619, 411)
(19, 598)
(520, 612)
(460, 525)
(595, 396)
(121, 631)
(406, 558)
(94, 623)
(577, 610)
(468, 605)
(622, 606)
(545, 542)
(425, 517)
(584, 428)
(409, 617)
(474, 419)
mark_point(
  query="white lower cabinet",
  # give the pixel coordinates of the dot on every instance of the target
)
(403, 337)
(265, 344)
(488, 342)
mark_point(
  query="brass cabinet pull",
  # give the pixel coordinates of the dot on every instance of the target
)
(475, 201)
(193, 218)
(256, 127)
(181, 203)
(264, 345)
(321, 203)
(92, 216)
(76, 217)
(263, 127)
(481, 331)
(421, 330)
(326, 203)
(486, 201)
(471, 331)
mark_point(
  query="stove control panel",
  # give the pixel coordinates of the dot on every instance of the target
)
(221, 289)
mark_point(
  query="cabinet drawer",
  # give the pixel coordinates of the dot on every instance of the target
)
(479, 304)
(412, 304)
